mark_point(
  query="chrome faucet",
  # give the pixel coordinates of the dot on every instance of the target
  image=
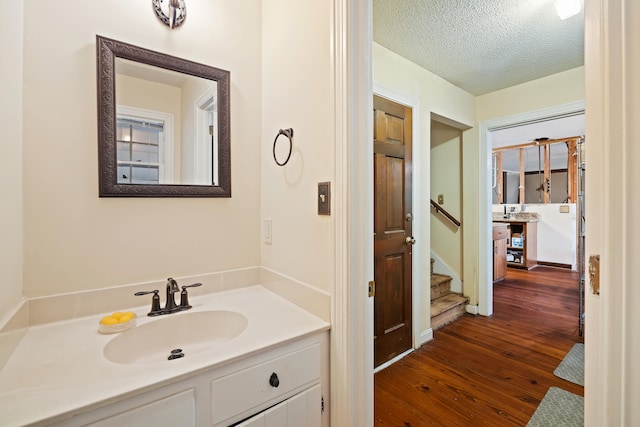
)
(172, 288)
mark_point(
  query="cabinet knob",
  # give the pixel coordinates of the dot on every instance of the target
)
(274, 381)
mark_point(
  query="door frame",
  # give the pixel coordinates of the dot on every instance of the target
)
(417, 338)
(485, 252)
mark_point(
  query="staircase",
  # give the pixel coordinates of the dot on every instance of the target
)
(446, 306)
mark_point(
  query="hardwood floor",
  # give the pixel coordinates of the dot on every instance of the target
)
(491, 371)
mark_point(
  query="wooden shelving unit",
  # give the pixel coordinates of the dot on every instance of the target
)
(522, 244)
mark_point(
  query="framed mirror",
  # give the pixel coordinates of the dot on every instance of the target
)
(163, 124)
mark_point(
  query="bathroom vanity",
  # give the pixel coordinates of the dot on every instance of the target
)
(283, 384)
(274, 372)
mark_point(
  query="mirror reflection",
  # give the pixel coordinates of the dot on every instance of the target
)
(163, 124)
(155, 142)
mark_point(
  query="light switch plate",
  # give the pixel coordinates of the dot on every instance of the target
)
(324, 198)
(266, 230)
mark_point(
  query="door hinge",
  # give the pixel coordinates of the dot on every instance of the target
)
(322, 404)
(372, 288)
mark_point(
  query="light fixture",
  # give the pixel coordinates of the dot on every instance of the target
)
(171, 12)
(567, 8)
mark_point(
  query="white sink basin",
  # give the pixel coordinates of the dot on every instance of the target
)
(189, 332)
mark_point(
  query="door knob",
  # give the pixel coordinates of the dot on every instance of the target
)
(410, 240)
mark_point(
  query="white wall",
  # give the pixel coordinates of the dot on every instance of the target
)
(11, 200)
(557, 233)
(75, 240)
(557, 89)
(297, 93)
(433, 95)
(446, 179)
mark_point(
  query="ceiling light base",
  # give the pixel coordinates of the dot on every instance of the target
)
(172, 13)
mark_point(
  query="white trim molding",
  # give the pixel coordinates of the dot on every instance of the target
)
(612, 348)
(426, 336)
(203, 148)
(473, 309)
(352, 331)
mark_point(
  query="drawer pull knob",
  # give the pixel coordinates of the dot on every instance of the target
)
(274, 380)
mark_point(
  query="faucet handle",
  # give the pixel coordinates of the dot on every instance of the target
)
(155, 301)
(184, 298)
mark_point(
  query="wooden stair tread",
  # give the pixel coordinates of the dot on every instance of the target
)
(440, 285)
(437, 279)
(447, 302)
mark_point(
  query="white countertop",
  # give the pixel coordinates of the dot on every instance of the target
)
(59, 368)
(507, 220)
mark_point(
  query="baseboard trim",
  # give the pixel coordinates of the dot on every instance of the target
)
(425, 336)
(555, 264)
(473, 309)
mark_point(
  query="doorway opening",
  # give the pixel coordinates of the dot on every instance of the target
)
(541, 121)
(393, 230)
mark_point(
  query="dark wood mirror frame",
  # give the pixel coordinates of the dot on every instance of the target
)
(107, 50)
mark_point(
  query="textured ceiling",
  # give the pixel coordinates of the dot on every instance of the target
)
(481, 45)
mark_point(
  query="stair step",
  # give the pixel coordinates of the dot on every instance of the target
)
(446, 309)
(440, 285)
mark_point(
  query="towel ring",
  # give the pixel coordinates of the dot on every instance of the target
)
(289, 134)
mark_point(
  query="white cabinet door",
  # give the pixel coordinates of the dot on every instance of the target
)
(277, 416)
(175, 410)
(255, 421)
(301, 410)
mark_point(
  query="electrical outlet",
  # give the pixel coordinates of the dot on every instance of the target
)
(266, 230)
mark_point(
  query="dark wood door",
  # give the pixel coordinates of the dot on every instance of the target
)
(393, 237)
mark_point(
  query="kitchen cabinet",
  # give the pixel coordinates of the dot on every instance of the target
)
(500, 234)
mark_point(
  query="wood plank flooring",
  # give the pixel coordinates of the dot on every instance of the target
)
(489, 371)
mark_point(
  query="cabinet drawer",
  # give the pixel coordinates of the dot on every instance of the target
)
(245, 391)
(500, 233)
